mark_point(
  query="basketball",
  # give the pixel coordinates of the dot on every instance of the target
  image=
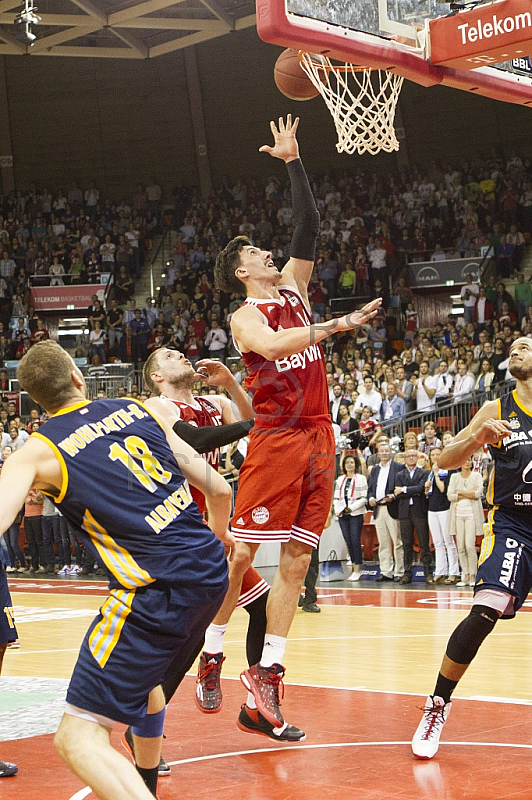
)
(291, 79)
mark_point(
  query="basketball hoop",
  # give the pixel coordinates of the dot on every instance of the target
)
(363, 111)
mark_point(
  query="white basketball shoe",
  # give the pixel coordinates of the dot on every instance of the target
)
(427, 736)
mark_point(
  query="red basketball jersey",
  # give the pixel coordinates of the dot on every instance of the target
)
(289, 391)
(203, 413)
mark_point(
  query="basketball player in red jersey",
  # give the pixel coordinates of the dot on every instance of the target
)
(170, 377)
(286, 481)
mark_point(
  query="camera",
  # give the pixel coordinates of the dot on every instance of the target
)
(352, 441)
(397, 445)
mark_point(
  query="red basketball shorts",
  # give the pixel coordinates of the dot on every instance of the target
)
(285, 486)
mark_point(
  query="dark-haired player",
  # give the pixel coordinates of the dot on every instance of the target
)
(170, 377)
(504, 576)
(119, 476)
(286, 482)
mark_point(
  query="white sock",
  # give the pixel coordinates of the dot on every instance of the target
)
(250, 702)
(273, 651)
(214, 638)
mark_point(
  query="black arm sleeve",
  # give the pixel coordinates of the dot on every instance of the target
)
(203, 440)
(306, 215)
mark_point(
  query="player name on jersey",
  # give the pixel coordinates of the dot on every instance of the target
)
(85, 434)
(163, 514)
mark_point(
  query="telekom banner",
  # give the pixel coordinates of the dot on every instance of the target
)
(52, 298)
(488, 34)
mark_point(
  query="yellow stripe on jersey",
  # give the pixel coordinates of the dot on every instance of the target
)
(491, 487)
(106, 633)
(518, 402)
(62, 464)
(73, 407)
(488, 541)
(118, 561)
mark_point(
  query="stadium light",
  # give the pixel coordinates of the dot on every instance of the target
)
(23, 23)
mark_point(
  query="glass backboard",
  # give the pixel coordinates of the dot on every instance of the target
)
(385, 34)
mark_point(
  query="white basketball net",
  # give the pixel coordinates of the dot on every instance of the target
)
(363, 111)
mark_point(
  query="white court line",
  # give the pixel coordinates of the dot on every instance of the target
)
(81, 794)
(336, 745)
(85, 792)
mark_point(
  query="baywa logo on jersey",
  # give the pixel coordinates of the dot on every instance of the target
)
(260, 515)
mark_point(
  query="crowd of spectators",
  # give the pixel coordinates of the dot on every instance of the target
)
(66, 239)
(371, 228)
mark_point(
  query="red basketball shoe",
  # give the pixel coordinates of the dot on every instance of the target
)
(209, 698)
(263, 683)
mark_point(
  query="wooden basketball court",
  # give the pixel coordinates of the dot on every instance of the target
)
(357, 675)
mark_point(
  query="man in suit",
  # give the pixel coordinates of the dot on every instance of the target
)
(337, 401)
(381, 498)
(413, 513)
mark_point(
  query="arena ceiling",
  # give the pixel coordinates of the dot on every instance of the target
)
(123, 28)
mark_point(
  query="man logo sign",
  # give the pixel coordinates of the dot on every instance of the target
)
(428, 275)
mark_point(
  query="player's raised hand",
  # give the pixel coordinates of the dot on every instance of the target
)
(358, 318)
(213, 372)
(284, 136)
(492, 431)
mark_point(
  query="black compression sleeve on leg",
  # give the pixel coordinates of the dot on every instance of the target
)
(306, 215)
(256, 629)
(469, 635)
(203, 440)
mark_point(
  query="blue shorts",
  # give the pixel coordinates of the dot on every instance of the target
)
(505, 561)
(8, 632)
(136, 637)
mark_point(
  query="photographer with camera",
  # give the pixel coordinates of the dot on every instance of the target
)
(382, 500)
(350, 494)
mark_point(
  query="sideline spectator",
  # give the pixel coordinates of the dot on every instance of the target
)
(349, 502)
(412, 513)
(466, 518)
(446, 568)
(382, 499)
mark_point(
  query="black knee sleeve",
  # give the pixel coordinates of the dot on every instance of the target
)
(469, 635)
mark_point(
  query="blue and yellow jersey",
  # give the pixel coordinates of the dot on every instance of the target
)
(510, 484)
(125, 495)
